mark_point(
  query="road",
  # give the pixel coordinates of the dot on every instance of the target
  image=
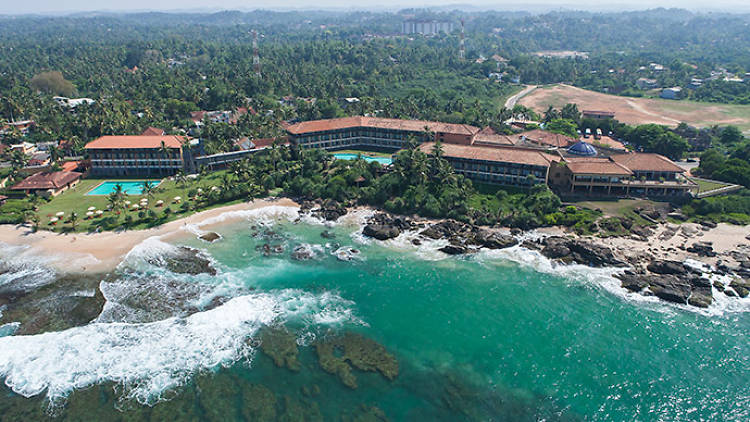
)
(511, 102)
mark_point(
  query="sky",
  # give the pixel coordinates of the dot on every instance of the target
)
(69, 6)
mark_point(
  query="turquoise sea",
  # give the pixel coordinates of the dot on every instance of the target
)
(495, 336)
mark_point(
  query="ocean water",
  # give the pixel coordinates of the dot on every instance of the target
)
(498, 335)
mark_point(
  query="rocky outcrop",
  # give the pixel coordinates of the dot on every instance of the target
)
(704, 249)
(184, 260)
(210, 237)
(579, 251)
(380, 231)
(466, 237)
(303, 253)
(671, 281)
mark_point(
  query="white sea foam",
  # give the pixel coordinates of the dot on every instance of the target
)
(150, 358)
(265, 215)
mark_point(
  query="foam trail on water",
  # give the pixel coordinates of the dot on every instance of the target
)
(150, 358)
(264, 215)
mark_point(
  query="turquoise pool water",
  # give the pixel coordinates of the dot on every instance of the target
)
(129, 188)
(348, 156)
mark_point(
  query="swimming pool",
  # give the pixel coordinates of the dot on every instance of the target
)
(129, 188)
(348, 156)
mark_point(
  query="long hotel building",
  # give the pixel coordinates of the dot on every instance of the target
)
(136, 156)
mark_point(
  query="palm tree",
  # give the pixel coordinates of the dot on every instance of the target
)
(147, 188)
(73, 220)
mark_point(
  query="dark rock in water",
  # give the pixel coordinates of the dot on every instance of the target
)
(338, 354)
(267, 249)
(330, 210)
(701, 297)
(670, 288)
(515, 231)
(184, 260)
(381, 232)
(702, 249)
(742, 287)
(446, 229)
(576, 250)
(416, 242)
(633, 282)
(667, 267)
(303, 253)
(730, 293)
(281, 346)
(453, 249)
(325, 234)
(492, 240)
(210, 237)
(555, 248)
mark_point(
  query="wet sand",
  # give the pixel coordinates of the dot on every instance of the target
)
(102, 252)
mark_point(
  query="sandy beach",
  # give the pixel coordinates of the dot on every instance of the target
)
(102, 252)
(670, 241)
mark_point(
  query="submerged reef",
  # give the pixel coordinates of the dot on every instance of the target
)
(337, 354)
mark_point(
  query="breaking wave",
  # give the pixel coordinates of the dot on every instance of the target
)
(148, 359)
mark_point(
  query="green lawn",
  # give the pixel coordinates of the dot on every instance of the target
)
(705, 185)
(76, 200)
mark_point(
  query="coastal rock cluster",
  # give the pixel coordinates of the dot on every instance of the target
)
(671, 281)
(462, 237)
(569, 251)
(329, 209)
(184, 260)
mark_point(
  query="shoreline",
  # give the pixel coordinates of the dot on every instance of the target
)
(102, 252)
(90, 253)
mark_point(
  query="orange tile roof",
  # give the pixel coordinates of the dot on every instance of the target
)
(136, 142)
(489, 137)
(501, 155)
(598, 166)
(637, 161)
(608, 142)
(153, 131)
(381, 123)
(54, 180)
(548, 138)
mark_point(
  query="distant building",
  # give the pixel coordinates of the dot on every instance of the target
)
(48, 184)
(597, 114)
(542, 138)
(674, 93)
(220, 116)
(72, 103)
(426, 27)
(26, 148)
(137, 156)
(375, 132)
(153, 131)
(646, 83)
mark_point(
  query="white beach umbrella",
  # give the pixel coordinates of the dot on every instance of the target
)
(92, 208)
(127, 202)
(60, 214)
(90, 213)
(159, 202)
(177, 198)
(99, 212)
(135, 206)
(53, 219)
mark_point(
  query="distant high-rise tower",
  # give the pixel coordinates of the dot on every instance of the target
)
(461, 47)
(256, 55)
